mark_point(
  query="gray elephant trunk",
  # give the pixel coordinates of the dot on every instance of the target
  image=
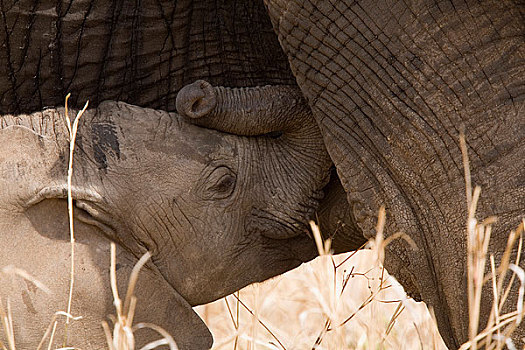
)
(244, 111)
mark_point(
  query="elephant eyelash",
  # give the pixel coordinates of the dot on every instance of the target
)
(225, 183)
(220, 183)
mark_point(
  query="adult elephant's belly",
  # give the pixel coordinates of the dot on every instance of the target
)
(138, 52)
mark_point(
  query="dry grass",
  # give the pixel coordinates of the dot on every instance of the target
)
(499, 328)
(349, 301)
(122, 337)
(72, 130)
(345, 301)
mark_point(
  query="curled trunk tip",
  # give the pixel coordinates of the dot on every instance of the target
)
(196, 100)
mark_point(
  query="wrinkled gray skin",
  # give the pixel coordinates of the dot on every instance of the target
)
(390, 85)
(144, 53)
(140, 52)
(217, 211)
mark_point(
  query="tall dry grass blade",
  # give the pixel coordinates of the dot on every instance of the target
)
(478, 237)
(167, 339)
(51, 328)
(317, 238)
(518, 271)
(401, 235)
(466, 166)
(477, 240)
(235, 325)
(7, 324)
(477, 243)
(122, 337)
(511, 317)
(379, 247)
(72, 139)
(10, 324)
(12, 270)
(321, 335)
(133, 280)
(352, 254)
(113, 280)
(504, 267)
(237, 317)
(495, 295)
(399, 309)
(362, 306)
(52, 336)
(506, 259)
(107, 333)
(47, 333)
(131, 311)
(419, 337)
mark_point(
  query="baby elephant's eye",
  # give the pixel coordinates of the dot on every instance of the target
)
(221, 183)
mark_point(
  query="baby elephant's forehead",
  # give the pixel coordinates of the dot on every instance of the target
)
(190, 140)
(122, 132)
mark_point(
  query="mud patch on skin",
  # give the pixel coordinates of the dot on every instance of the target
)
(105, 142)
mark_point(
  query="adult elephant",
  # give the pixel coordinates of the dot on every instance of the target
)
(390, 84)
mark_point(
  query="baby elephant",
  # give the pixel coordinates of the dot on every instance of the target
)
(217, 211)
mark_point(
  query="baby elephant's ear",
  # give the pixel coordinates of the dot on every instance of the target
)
(161, 305)
(244, 111)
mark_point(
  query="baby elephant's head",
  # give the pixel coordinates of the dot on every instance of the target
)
(217, 210)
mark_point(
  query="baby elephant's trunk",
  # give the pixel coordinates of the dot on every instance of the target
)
(245, 111)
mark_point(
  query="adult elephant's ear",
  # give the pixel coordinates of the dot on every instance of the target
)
(244, 111)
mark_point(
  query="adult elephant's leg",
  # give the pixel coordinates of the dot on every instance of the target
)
(390, 84)
(141, 52)
(337, 220)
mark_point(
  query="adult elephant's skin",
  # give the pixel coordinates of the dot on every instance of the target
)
(217, 211)
(390, 85)
(140, 52)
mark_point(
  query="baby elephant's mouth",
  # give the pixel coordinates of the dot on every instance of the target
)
(292, 252)
(88, 204)
(278, 224)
